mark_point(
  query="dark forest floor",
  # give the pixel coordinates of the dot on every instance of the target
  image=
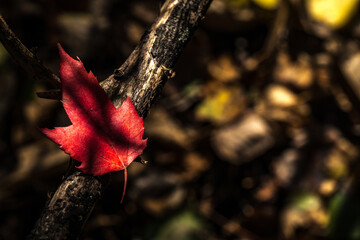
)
(256, 137)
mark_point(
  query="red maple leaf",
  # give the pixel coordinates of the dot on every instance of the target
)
(104, 139)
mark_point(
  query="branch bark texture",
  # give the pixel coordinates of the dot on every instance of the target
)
(148, 67)
(141, 77)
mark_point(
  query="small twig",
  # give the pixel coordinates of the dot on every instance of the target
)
(274, 38)
(51, 94)
(278, 29)
(24, 57)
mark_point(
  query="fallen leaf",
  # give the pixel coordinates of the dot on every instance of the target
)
(267, 4)
(280, 96)
(104, 139)
(333, 13)
(245, 140)
(298, 73)
(224, 69)
(223, 106)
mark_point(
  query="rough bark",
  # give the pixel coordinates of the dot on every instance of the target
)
(141, 77)
(69, 208)
(146, 70)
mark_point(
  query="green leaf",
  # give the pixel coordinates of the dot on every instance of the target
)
(345, 216)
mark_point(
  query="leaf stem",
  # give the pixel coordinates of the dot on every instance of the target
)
(125, 183)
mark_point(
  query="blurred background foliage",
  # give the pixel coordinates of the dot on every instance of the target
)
(256, 137)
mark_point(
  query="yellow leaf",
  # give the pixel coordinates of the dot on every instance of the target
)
(222, 106)
(267, 4)
(334, 13)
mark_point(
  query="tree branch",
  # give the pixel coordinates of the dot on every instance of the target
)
(148, 67)
(24, 57)
(141, 77)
